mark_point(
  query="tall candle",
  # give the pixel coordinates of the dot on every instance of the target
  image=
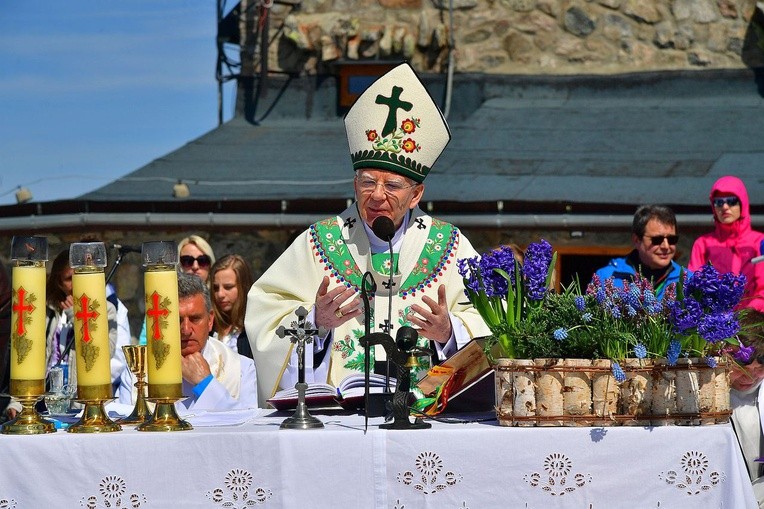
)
(91, 328)
(28, 323)
(162, 330)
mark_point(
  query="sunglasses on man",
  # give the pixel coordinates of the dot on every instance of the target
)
(187, 261)
(730, 201)
(657, 240)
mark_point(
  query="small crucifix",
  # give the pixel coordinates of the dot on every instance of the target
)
(301, 333)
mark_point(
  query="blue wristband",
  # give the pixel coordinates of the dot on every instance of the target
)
(199, 388)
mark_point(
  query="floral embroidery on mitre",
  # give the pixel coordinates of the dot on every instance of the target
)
(396, 140)
(113, 488)
(7, 503)
(238, 482)
(558, 467)
(429, 466)
(694, 480)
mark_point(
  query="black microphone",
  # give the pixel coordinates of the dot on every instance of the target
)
(126, 249)
(383, 228)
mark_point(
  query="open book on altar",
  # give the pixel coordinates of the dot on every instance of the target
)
(349, 393)
(471, 376)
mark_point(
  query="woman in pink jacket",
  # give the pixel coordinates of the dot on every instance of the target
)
(732, 244)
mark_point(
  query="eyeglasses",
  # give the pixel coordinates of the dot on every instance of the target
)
(368, 185)
(187, 261)
(730, 201)
(657, 240)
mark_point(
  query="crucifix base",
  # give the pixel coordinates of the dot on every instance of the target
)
(301, 418)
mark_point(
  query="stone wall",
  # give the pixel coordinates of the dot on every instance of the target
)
(509, 36)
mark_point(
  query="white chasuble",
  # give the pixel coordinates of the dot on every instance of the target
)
(338, 247)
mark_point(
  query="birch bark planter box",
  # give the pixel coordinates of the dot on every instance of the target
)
(582, 392)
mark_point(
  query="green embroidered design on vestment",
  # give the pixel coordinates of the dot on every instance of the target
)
(439, 249)
(434, 260)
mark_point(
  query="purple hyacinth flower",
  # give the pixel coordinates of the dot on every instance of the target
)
(618, 372)
(744, 354)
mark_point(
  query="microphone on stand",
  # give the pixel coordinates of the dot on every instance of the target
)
(384, 229)
(121, 251)
(406, 338)
(126, 249)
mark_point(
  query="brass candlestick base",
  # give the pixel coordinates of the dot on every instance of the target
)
(94, 419)
(165, 417)
(29, 421)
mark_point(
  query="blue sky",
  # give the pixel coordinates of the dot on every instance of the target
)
(92, 90)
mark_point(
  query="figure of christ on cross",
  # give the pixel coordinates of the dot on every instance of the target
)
(156, 312)
(20, 308)
(393, 103)
(86, 316)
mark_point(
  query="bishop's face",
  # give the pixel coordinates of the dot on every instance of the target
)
(383, 193)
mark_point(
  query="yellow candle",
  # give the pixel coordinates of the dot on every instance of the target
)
(28, 323)
(162, 329)
(91, 327)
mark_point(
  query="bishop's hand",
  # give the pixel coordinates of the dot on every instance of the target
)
(434, 321)
(336, 306)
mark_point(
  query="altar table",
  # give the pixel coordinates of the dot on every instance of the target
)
(473, 465)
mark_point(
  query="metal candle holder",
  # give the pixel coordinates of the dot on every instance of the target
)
(165, 417)
(160, 259)
(27, 383)
(94, 418)
(28, 421)
(88, 260)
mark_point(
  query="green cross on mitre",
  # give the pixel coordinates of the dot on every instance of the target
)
(393, 103)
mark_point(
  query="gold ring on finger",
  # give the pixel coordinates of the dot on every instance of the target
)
(338, 313)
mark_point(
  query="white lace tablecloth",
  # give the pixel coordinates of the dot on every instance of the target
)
(459, 466)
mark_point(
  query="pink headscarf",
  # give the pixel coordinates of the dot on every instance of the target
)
(729, 234)
(730, 247)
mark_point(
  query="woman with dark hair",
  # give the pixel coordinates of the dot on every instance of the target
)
(230, 280)
(59, 318)
(733, 243)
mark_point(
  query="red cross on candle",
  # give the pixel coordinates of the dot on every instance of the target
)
(85, 315)
(156, 312)
(20, 308)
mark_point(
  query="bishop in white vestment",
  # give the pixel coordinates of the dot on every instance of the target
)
(395, 132)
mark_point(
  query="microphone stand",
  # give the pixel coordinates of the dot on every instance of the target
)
(389, 323)
(365, 288)
(113, 269)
